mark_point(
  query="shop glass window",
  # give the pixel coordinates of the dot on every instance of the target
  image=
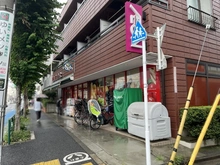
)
(109, 82)
(69, 92)
(75, 92)
(80, 91)
(120, 80)
(85, 91)
(133, 78)
(97, 90)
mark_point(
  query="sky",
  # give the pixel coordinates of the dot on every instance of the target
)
(62, 1)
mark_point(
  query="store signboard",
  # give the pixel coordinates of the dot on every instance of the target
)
(133, 14)
(6, 27)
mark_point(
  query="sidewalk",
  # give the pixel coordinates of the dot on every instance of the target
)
(121, 148)
(52, 145)
(105, 146)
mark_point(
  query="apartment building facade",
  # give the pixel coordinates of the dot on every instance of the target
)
(94, 59)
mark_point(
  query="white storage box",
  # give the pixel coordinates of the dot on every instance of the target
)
(158, 120)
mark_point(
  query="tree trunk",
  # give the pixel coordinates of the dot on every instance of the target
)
(18, 108)
(25, 101)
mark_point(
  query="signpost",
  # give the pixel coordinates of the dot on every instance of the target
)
(135, 42)
(139, 35)
(6, 28)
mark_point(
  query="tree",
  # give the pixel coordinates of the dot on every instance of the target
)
(33, 41)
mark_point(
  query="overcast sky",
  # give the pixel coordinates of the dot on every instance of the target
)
(61, 1)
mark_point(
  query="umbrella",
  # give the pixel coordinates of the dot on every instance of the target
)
(41, 96)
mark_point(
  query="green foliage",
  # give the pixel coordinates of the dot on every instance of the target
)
(33, 39)
(31, 90)
(196, 118)
(24, 123)
(179, 160)
(51, 94)
(160, 158)
(27, 111)
(22, 135)
(46, 101)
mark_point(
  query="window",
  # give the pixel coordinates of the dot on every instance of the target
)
(120, 80)
(80, 91)
(133, 78)
(97, 90)
(200, 11)
(160, 3)
(191, 67)
(85, 91)
(206, 84)
(75, 92)
(214, 70)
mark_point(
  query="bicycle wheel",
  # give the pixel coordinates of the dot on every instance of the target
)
(85, 120)
(78, 118)
(111, 120)
(93, 123)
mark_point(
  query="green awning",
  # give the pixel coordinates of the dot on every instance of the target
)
(65, 81)
(55, 85)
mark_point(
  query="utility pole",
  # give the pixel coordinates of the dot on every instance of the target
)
(7, 10)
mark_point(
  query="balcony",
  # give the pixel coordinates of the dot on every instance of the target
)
(200, 17)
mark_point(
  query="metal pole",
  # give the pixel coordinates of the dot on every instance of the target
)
(147, 140)
(6, 6)
(180, 130)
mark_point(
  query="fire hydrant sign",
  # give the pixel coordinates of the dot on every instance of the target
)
(6, 27)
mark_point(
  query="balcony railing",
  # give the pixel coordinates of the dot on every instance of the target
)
(200, 17)
(74, 53)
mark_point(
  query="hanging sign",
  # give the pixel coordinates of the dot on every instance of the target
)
(133, 14)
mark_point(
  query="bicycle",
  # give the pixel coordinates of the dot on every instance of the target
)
(108, 115)
(99, 116)
(80, 111)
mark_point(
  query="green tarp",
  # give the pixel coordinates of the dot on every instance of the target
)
(122, 99)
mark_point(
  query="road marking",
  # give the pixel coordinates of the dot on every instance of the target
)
(52, 162)
(88, 163)
(76, 157)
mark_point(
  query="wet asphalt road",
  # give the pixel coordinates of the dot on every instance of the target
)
(51, 142)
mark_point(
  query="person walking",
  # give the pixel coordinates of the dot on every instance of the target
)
(38, 106)
(59, 106)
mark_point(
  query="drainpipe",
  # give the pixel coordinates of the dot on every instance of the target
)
(163, 87)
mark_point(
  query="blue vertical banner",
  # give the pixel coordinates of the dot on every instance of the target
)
(6, 28)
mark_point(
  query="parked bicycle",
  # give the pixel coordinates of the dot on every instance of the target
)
(91, 114)
(108, 114)
(99, 116)
(81, 111)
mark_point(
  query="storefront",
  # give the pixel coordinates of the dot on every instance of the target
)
(102, 88)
